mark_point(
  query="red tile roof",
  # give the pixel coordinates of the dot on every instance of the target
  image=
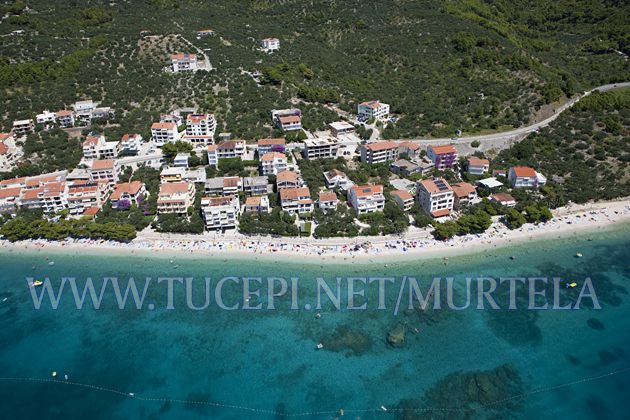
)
(4, 149)
(524, 171)
(163, 126)
(289, 119)
(432, 187)
(273, 155)
(327, 196)
(475, 161)
(99, 164)
(91, 211)
(463, 189)
(131, 188)
(440, 213)
(294, 193)
(174, 188)
(502, 197)
(381, 145)
(287, 176)
(402, 194)
(10, 192)
(271, 142)
(443, 150)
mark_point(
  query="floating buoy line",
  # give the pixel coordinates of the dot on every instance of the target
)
(382, 408)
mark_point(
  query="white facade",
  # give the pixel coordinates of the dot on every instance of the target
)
(220, 212)
(164, 132)
(226, 150)
(367, 198)
(272, 163)
(45, 117)
(287, 119)
(436, 197)
(373, 109)
(183, 62)
(296, 200)
(320, 148)
(131, 142)
(270, 44)
(22, 127)
(200, 129)
(379, 152)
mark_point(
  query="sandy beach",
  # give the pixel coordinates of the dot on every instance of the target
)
(414, 244)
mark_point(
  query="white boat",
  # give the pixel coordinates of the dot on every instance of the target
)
(320, 346)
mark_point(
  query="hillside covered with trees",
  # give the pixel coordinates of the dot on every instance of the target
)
(442, 65)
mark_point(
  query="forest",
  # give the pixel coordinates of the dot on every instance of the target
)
(442, 65)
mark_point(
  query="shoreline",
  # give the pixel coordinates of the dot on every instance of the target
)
(415, 244)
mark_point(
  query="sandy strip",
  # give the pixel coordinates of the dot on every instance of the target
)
(415, 244)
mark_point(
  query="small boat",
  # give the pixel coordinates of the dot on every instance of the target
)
(571, 285)
(51, 263)
(383, 408)
(579, 255)
(5, 299)
(65, 377)
(318, 315)
(54, 374)
(37, 283)
(320, 346)
(512, 257)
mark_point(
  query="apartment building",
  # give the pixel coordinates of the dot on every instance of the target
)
(183, 62)
(200, 129)
(379, 152)
(83, 110)
(9, 200)
(45, 117)
(85, 194)
(525, 177)
(436, 197)
(256, 185)
(287, 119)
(366, 198)
(288, 179)
(296, 200)
(106, 170)
(164, 132)
(273, 162)
(271, 145)
(320, 148)
(259, 204)
(175, 197)
(340, 128)
(65, 118)
(226, 150)
(464, 193)
(373, 109)
(403, 198)
(337, 179)
(127, 194)
(444, 157)
(51, 197)
(223, 186)
(23, 127)
(202, 33)
(504, 199)
(327, 200)
(220, 212)
(477, 166)
(96, 147)
(131, 143)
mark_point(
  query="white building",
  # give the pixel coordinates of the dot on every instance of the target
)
(131, 143)
(320, 148)
(296, 200)
(96, 147)
(436, 197)
(175, 197)
(403, 198)
(287, 119)
(341, 128)
(220, 212)
(164, 132)
(223, 186)
(271, 145)
(335, 178)
(327, 200)
(86, 194)
(288, 179)
(183, 62)
(379, 152)
(181, 160)
(373, 109)
(259, 204)
(367, 198)
(477, 166)
(130, 192)
(65, 118)
(46, 117)
(83, 110)
(226, 150)
(202, 33)
(270, 44)
(525, 177)
(200, 129)
(272, 163)
(106, 170)
(464, 193)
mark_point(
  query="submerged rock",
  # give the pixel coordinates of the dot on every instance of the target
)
(474, 395)
(396, 337)
(595, 324)
(344, 339)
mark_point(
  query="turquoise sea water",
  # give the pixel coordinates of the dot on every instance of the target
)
(200, 364)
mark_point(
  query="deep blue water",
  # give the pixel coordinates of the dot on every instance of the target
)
(475, 364)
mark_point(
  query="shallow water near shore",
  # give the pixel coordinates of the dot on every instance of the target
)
(182, 363)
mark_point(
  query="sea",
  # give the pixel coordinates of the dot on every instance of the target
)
(384, 361)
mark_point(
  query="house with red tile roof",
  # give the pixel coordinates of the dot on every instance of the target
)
(366, 198)
(258, 204)
(327, 200)
(164, 132)
(183, 62)
(86, 194)
(464, 193)
(176, 197)
(288, 179)
(271, 145)
(504, 199)
(477, 166)
(404, 200)
(106, 170)
(10, 199)
(272, 163)
(525, 177)
(296, 200)
(287, 119)
(200, 129)
(220, 213)
(129, 192)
